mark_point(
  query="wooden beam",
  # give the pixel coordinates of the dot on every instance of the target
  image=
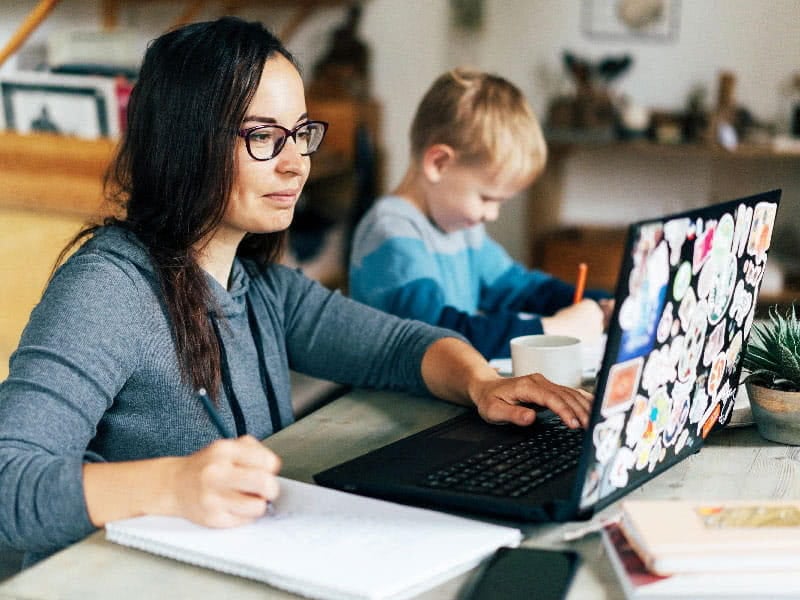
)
(29, 25)
(300, 15)
(190, 13)
(110, 14)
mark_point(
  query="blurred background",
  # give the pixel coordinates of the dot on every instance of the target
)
(650, 106)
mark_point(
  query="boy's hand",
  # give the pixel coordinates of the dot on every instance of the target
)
(584, 320)
(503, 401)
(607, 306)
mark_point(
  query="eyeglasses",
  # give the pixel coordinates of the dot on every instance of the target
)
(266, 141)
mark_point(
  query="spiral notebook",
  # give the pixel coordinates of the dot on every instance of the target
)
(322, 543)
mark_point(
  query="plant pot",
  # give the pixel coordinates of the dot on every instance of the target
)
(776, 413)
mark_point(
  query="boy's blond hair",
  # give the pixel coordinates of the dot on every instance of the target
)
(485, 119)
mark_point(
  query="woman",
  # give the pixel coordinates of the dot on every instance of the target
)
(100, 417)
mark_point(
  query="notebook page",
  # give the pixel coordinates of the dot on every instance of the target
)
(323, 543)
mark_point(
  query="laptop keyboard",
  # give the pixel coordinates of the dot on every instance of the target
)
(513, 469)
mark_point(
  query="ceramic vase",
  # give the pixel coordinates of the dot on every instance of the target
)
(776, 413)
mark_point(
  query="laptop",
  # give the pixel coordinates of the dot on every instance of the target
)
(685, 303)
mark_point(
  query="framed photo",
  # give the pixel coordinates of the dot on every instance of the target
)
(647, 20)
(75, 105)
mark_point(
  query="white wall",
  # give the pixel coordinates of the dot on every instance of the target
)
(523, 40)
(412, 41)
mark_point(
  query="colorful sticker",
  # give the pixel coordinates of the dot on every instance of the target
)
(748, 323)
(741, 303)
(623, 461)
(726, 399)
(699, 401)
(677, 418)
(660, 408)
(642, 452)
(623, 381)
(605, 438)
(735, 349)
(591, 486)
(761, 230)
(714, 344)
(723, 237)
(676, 327)
(686, 309)
(681, 442)
(693, 345)
(744, 215)
(753, 273)
(659, 369)
(683, 279)
(675, 232)
(706, 278)
(665, 324)
(656, 455)
(638, 420)
(722, 285)
(642, 309)
(716, 373)
(710, 421)
(702, 247)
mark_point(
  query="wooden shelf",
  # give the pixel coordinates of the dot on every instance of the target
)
(745, 151)
(546, 195)
(51, 173)
(64, 175)
(109, 16)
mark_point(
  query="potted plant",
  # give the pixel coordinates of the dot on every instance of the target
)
(772, 359)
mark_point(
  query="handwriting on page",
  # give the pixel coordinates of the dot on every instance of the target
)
(350, 531)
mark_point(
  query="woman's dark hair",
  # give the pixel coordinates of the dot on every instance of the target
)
(174, 169)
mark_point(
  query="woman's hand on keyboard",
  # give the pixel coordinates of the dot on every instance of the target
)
(508, 400)
(454, 371)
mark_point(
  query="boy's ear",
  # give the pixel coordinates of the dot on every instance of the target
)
(436, 159)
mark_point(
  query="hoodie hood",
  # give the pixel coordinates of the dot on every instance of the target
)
(124, 247)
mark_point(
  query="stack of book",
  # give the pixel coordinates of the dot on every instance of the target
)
(734, 549)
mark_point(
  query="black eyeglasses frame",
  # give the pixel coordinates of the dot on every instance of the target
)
(288, 133)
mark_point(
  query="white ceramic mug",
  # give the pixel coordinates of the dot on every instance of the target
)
(557, 357)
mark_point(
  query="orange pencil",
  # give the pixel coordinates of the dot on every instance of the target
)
(580, 284)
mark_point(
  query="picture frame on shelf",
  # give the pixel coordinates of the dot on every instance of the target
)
(74, 105)
(630, 20)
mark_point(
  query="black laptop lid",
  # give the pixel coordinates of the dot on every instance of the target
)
(685, 302)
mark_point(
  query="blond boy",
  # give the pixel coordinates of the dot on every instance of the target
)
(422, 252)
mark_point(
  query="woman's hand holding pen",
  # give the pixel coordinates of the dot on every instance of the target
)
(227, 483)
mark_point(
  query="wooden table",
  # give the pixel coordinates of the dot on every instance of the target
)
(735, 463)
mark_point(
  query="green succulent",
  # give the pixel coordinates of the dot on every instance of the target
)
(773, 352)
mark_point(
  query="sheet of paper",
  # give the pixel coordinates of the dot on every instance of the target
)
(328, 544)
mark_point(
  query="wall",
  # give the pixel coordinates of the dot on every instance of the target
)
(412, 41)
(757, 40)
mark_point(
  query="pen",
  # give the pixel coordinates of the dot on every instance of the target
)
(582, 531)
(580, 283)
(222, 429)
(213, 414)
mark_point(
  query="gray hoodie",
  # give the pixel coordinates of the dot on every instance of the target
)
(95, 377)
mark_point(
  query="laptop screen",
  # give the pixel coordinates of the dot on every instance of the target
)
(685, 302)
